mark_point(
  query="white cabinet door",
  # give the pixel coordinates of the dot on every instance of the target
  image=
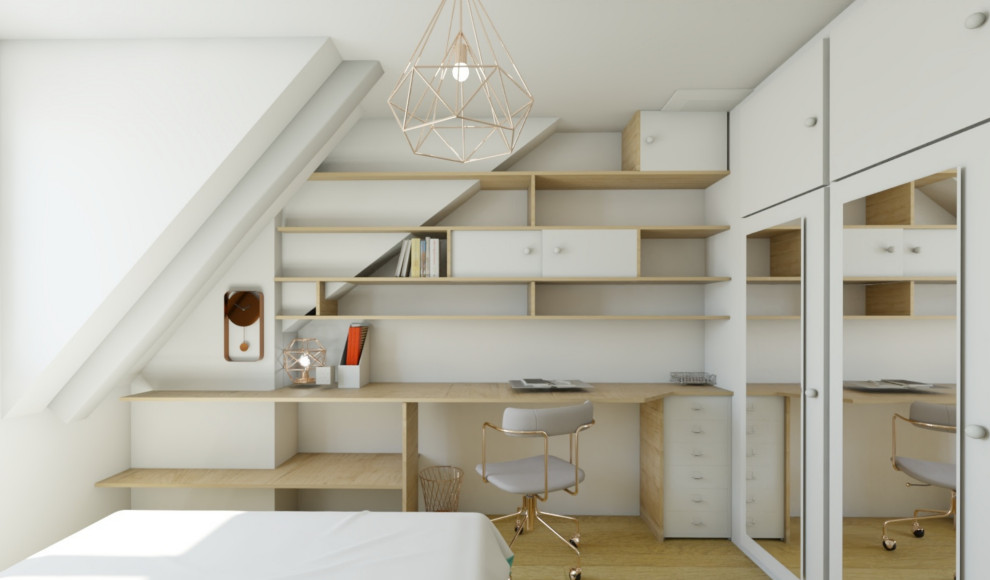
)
(778, 133)
(930, 252)
(903, 74)
(683, 141)
(496, 254)
(590, 253)
(873, 252)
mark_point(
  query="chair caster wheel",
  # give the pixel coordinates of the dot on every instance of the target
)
(576, 541)
(574, 574)
(889, 545)
(919, 533)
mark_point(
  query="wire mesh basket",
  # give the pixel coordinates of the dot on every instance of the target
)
(441, 486)
(692, 378)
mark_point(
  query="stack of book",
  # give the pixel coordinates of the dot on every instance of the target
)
(422, 258)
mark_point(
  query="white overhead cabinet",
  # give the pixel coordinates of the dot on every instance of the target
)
(904, 76)
(552, 253)
(675, 141)
(778, 132)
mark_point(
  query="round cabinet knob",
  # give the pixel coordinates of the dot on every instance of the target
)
(697, 453)
(696, 407)
(650, 140)
(811, 393)
(916, 250)
(975, 20)
(697, 499)
(698, 523)
(697, 476)
(558, 250)
(889, 249)
(697, 429)
(976, 432)
(527, 251)
(811, 121)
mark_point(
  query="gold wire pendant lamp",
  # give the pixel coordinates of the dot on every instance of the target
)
(461, 97)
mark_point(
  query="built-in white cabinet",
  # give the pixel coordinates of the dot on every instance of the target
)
(900, 252)
(904, 75)
(675, 141)
(696, 434)
(778, 132)
(560, 253)
(509, 254)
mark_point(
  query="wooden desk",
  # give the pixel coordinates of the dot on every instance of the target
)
(942, 394)
(400, 471)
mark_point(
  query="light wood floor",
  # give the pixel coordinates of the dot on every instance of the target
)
(929, 558)
(623, 548)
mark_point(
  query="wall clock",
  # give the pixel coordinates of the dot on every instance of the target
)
(243, 326)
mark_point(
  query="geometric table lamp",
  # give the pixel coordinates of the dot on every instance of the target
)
(301, 357)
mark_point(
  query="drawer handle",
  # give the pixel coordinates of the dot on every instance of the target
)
(558, 250)
(811, 121)
(697, 499)
(697, 407)
(697, 476)
(916, 249)
(975, 20)
(697, 453)
(889, 249)
(527, 251)
(698, 523)
(697, 429)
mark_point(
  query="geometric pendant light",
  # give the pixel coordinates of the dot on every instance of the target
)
(461, 97)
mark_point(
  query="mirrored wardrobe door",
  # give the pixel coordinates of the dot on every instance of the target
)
(780, 354)
(900, 255)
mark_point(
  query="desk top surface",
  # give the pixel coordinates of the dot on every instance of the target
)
(439, 393)
(943, 394)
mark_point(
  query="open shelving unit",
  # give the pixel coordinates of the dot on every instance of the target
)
(329, 290)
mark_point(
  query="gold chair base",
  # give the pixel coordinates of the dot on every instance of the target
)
(918, 531)
(529, 513)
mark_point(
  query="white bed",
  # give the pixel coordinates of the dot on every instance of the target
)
(227, 545)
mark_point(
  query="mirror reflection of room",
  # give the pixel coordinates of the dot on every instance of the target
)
(773, 409)
(900, 262)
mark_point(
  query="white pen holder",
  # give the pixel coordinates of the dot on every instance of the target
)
(354, 376)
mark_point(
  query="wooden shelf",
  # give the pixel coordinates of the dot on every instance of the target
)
(900, 317)
(302, 471)
(646, 232)
(773, 280)
(454, 280)
(901, 227)
(501, 317)
(565, 180)
(774, 317)
(888, 279)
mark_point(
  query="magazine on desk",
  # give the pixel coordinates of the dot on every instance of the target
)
(549, 385)
(891, 386)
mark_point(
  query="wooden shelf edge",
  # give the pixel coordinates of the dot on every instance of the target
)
(301, 471)
(885, 279)
(773, 280)
(504, 317)
(899, 317)
(647, 232)
(479, 281)
(901, 227)
(547, 179)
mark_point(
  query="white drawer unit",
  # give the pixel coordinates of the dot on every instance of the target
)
(590, 253)
(555, 253)
(675, 140)
(878, 252)
(766, 502)
(497, 254)
(697, 463)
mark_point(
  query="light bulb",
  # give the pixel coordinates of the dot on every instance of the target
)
(305, 361)
(460, 71)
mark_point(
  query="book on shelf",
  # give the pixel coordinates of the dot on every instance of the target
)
(434, 257)
(357, 334)
(414, 257)
(402, 264)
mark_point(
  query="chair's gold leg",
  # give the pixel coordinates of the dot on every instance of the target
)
(576, 539)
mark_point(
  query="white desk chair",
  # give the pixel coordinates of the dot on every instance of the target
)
(933, 417)
(535, 477)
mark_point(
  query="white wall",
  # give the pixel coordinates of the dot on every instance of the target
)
(113, 154)
(49, 470)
